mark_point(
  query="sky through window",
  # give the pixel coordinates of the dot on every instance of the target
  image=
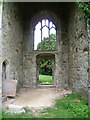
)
(37, 32)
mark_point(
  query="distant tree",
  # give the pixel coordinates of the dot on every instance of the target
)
(45, 43)
(45, 65)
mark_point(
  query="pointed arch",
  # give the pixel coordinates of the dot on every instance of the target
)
(46, 16)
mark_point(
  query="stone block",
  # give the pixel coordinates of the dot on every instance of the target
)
(16, 109)
(9, 88)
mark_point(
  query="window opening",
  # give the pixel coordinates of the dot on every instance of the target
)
(4, 70)
(45, 35)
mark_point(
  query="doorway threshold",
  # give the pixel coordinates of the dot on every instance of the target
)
(46, 86)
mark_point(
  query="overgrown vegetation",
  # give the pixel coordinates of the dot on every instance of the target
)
(0, 114)
(85, 6)
(45, 67)
(22, 115)
(71, 106)
(45, 78)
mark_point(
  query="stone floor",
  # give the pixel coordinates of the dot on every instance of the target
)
(35, 99)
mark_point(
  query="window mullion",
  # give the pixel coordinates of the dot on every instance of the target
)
(49, 34)
(41, 34)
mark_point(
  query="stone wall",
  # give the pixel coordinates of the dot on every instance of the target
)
(29, 69)
(0, 54)
(29, 57)
(78, 51)
(12, 36)
(71, 56)
(61, 54)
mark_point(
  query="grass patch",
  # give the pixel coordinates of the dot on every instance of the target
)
(45, 78)
(0, 114)
(22, 115)
(67, 107)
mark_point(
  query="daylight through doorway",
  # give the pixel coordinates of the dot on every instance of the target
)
(45, 71)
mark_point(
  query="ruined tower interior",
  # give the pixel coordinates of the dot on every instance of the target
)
(18, 57)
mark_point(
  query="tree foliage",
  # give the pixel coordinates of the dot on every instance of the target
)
(45, 43)
(85, 6)
(45, 65)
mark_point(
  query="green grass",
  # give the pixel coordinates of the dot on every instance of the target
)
(0, 114)
(67, 107)
(21, 115)
(45, 78)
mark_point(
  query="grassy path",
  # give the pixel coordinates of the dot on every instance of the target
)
(45, 78)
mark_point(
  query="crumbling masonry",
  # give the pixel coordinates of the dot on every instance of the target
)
(16, 47)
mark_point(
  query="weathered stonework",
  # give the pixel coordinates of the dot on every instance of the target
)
(1, 5)
(78, 51)
(12, 35)
(71, 56)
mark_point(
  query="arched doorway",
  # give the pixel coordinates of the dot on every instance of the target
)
(45, 68)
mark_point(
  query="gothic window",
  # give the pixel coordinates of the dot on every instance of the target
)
(45, 35)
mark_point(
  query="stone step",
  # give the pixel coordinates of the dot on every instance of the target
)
(16, 108)
(46, 86)
(4, 99)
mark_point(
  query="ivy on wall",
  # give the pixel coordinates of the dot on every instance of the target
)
(85, 6)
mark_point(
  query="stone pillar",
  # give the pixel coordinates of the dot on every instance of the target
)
(52, 71)
(88, 29)
(1, 55)
(37, 73)
(89, 95)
